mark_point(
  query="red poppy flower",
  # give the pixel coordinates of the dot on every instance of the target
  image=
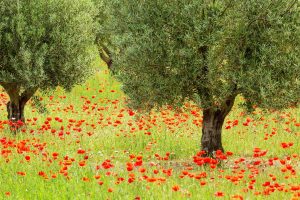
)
(219, 194)
(175, 188)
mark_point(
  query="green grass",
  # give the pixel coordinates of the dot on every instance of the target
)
(116, 141)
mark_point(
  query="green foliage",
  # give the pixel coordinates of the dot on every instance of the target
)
(101, 18)
(46, 43)
(206, 51)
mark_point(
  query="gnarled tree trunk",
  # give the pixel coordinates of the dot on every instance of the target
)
(213, 120)
(16, 105)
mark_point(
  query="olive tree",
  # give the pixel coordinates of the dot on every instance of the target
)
(207, 51)
(43, 44)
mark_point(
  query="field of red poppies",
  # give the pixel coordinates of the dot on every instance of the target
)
(89, 145)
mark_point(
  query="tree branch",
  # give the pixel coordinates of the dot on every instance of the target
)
(226, 8)
(12, 89)
(262, 15)
(105, 55)
(27, 94)
(289, 8)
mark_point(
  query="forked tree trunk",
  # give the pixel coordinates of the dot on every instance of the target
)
(16, 105)
(213, 120)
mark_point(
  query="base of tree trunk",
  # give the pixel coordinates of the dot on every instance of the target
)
(15, 111)
(213, 120)
(18, 99)
(211, 140)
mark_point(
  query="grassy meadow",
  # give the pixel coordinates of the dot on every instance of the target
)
(90, 146)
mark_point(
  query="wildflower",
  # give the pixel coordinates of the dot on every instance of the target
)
(175, 188)
(106, 164)
(80, 151)
(54, 154)
(100, 182)
(85, 179)
(219, 194)
(97, 176)
(21, 173)
(27, 158)
(202, 183)
(82, 163)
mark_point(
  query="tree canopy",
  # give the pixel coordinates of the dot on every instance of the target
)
(44, 44)
(170, 51)
(207, 51)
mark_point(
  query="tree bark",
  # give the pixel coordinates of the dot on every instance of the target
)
(213, 120)
(15, 111)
